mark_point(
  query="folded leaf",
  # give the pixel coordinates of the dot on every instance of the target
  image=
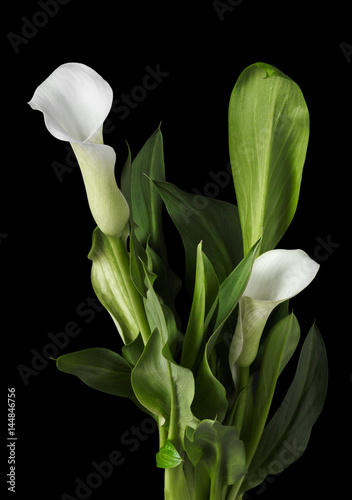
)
(100, 369)
(111, 283)
(268, 137)
(286, 436)
(213, 222)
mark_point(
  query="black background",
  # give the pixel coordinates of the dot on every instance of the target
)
(61, 425)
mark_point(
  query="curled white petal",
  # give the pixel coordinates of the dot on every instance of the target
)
(75, 101)
(278, 275)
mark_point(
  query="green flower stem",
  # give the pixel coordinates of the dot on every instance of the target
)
(122, 261)
(175, 484)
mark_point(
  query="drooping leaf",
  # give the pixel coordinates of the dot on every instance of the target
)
(214, 222)
(286, 436)
(222, 452)
(168, 456)
(268, 137)
(101, 369)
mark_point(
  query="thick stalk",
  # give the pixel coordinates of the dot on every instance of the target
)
(131, 291)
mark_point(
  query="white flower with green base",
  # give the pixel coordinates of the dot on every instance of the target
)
(277, 275)
(195, 374)
(75, 101)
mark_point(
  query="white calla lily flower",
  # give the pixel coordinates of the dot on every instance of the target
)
(75, 101)
(277, 275)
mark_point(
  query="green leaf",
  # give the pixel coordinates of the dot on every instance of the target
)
(205, 296)
(213, 222)
(163, 387)
(210, 398)
(279, 348)
(146, 216)
(222, 452)
(100, 369)
(146, 204)
(111, 283)
(268, 137)
(286, 436)
(168, 456)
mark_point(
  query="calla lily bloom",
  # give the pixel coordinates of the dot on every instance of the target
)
(277, 275)
(75, 101)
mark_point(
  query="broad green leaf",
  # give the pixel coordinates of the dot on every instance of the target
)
(222, 452)
(279, 348)
(163, 387)
(168, 456)
(213, 222)
(287, 434)
(205, 296)
(111, 283)
(100, 369)
(268, 138)
(210, 398)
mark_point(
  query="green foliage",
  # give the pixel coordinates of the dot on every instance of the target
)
(268, 138)
(215, 441)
